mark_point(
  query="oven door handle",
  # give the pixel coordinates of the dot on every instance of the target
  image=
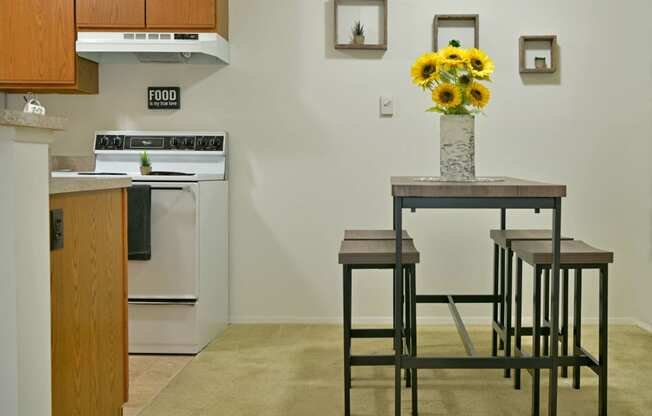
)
(175, 188)
(178, 302)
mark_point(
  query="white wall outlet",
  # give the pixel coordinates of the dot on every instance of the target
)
(386, 106)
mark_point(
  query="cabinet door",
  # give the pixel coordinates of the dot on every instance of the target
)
(37, 41)
(111, 13)
(181, 14)
(89, 309)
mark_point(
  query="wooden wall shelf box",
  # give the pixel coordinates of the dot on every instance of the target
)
(522, 64)
(470, 19)
(382, 29)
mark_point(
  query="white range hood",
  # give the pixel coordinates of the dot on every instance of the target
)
(181, 47)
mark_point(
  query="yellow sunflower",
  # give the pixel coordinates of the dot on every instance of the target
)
(452, 56)
(447, 95)
(479, 63)
(426, 69)
(478, 95)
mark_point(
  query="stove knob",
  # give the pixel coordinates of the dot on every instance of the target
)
(102, 142)
(211, 142)
(173, 143)
(200, 143)
(117, 143)
(189, 143)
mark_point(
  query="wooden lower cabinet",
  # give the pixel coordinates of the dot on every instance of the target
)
(89, 305)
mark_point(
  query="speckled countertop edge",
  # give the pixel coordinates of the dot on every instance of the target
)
(21, 119)
(69, 185)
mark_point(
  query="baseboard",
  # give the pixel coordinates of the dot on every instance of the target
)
(424, 320)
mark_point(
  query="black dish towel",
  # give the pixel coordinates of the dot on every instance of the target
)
(140, 222)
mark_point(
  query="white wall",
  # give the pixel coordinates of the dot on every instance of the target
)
(310, 155)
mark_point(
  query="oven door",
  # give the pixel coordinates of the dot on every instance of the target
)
(171, 276)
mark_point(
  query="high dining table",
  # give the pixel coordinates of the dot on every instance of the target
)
(500, 193)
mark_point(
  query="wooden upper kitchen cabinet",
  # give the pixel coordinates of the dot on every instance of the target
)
(163, 15)
(89, 304)
(201, 15)
(37, 48)
(111, 14)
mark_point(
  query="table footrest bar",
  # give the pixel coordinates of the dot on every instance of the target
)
(372, 333)
(475, 362)
(458, 298)
(372, 360)
(461, 329)
(563, 360)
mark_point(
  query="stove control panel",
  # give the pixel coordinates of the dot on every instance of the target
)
(208, 143)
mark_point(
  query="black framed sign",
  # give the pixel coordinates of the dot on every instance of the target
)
(164, 98)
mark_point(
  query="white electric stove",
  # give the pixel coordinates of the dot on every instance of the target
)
(178, 299)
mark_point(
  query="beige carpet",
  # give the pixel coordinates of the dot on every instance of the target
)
(296, 370)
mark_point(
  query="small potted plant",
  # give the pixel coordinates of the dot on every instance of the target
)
(145, 164)
(358, 33)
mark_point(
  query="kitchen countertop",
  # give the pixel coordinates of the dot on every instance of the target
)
(76, 184)
(20, 119)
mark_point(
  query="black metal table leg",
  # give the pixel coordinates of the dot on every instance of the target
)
(508, 308)
(577, 326)
(602, 357)
(413, 342)
(546, 307)
(554, 324)
(536, 340)
(494, 334)
(347, 340)
(501, 316)
(564, 321)
(406, 303)
(398, 290)
(519, 308)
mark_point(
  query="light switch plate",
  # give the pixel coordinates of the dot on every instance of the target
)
(386, 106)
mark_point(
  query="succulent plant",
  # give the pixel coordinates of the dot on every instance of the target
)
(358, 29)
(144, 160)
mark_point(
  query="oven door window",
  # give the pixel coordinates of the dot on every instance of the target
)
(172, 272)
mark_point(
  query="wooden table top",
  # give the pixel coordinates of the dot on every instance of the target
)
(505, 187)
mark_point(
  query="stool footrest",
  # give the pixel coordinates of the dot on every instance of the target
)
(372, 360)
(372, 333)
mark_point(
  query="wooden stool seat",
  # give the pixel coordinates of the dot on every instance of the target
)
(376, 252)
(373, 235)
(504, 238)
(572, 252)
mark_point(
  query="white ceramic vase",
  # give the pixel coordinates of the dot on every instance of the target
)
(457, 145)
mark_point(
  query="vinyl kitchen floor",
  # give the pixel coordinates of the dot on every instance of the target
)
(148, 375)
(296, 370)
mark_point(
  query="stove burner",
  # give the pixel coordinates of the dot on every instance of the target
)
(101, 174)
(164, 173)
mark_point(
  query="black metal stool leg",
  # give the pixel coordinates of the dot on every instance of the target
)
(508, 309)
(577, 326)
(494, 335)
(536, 341)
(347, 340)
(602, 356)
(413, 342)
(564, 321)
(501, 344)
(546, 309)
(519, 308)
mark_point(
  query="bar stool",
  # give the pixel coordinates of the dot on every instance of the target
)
(370, 252)
(578, 256)
(502, 323)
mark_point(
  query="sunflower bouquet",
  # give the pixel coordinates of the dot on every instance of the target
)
(453, 75)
